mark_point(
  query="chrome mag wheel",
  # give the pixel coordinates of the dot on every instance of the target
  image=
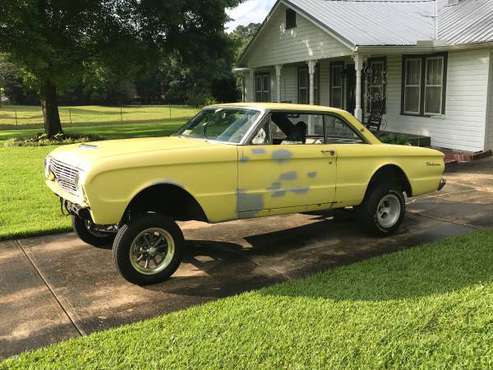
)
(388, 211)
(152, 251)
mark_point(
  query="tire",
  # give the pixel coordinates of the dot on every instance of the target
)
(95, 238)
(138, 249)
(383, 209)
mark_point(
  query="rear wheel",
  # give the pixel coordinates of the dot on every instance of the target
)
(148, 250)
(86, 232)
(383, 210)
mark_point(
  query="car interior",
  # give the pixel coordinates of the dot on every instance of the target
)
(285, 128)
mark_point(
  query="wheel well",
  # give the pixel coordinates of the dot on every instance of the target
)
(166, 199)
(390, 173)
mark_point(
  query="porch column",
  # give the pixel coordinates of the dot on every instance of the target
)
(358, 65)
(311, 71)
(278, 82)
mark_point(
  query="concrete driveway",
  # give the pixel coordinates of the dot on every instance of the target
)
(54, 288)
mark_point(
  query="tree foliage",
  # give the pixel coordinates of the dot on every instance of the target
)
(59, 43)
(242, 35)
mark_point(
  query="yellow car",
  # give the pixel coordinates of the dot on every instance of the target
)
(233, 161)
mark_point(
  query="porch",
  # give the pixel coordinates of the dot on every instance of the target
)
(353, 83)
(336, 82)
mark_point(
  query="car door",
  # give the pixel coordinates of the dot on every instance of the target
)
(279, 171)
(355, 160)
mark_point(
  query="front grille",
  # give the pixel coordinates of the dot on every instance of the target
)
(65, 175)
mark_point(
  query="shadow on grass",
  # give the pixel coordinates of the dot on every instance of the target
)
(432, 269)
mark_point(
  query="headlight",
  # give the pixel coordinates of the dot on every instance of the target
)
(47, 167)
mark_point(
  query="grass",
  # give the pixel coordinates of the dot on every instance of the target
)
(426, 307)
(14, 116)
(107, 131)
(27, 207)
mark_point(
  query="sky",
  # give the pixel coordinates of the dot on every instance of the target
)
(249, 11)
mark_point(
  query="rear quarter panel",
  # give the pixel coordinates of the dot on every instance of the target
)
(356, 165)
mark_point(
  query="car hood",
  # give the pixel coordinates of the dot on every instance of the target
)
(83, 155)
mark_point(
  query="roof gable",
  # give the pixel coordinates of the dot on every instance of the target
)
(394, 22)
(274, 44)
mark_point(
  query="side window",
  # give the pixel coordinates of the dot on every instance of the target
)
(339, 132)
(290, 128)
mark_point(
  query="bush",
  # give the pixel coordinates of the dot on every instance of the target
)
(44, 140)
(396, 139)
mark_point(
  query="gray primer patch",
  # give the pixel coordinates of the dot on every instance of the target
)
(289, 176)
(282, 155)
(258, 151)
(275, 186)
(300, 190)
(249, 203)
(312, 174)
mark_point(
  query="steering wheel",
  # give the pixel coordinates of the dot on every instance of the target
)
(205, 126)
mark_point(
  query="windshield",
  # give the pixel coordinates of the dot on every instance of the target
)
(223, 124)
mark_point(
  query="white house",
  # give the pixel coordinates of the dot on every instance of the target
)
(431, 61)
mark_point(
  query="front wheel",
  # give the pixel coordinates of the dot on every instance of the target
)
(383, 210)
(148, 250)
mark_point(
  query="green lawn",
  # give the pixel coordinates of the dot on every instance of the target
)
(30, 116)
(426, 307)
(27, 207)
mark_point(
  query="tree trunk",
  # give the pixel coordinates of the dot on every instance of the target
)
(49, 106)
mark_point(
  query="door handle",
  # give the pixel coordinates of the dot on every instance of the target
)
(329, 152)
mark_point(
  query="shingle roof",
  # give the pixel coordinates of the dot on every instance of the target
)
(400, 22)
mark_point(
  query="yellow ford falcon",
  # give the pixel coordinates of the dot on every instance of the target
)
(233, 161)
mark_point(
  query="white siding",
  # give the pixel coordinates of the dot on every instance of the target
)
(489, 131)
(463, 125)
(289, 91)
(276, 45)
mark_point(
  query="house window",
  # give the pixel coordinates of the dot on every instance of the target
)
(304, 85)
(433, 99)
(290, 19)
(412, 86)
(262, 87)
(375, 81)
(337, 84)
(424, 85)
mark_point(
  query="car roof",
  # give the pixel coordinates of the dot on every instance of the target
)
(280, 106)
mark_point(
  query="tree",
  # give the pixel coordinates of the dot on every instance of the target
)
(242, 35)
(14, 88)
(54, 41)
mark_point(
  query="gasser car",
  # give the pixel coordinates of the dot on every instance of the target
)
(233, 161)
